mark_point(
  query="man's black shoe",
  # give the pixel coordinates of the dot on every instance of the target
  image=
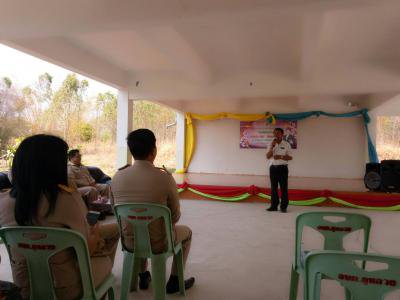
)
(102, 216)
(173, 284)
(284, 210)
(272, 209)
(144, 280)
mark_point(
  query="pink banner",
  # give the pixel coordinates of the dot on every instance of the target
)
(259, 134)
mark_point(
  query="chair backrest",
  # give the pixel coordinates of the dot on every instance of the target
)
(332, 232)
(4, 181)
(140, 215)
(344, 267)
(38, 245)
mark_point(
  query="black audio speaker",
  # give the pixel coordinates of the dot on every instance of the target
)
(372, 178)
(390, 174)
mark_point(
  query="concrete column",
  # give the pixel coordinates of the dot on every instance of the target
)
(124, 126)
(180, 140)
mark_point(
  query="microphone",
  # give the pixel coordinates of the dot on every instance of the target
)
(273, 143)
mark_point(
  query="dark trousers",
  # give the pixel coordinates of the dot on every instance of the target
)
(279, 175)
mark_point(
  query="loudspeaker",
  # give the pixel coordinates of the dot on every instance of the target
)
(390, 174)
(372, 178)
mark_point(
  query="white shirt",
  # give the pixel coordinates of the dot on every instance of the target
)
(283, 148)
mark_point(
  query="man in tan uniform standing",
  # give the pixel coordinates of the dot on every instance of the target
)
(143, 182)
(87, 186)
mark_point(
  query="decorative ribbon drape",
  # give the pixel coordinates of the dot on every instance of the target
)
(371, 201)
(190, 131)
(373, 156)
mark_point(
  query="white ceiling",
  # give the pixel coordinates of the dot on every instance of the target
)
(229, 54)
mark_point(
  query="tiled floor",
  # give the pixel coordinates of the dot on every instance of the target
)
(241, 251)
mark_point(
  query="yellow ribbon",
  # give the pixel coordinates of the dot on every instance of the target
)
(190, 130)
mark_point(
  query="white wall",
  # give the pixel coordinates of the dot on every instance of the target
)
(327, 147)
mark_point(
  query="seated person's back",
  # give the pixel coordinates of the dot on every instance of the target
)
(144, 183)
(40, 197)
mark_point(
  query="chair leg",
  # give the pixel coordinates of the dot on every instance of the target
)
(317, 294)
(110, 293)
(158, 277)
(126, 275)
(348, 294)
(135, 273)
(181, 274)
(294, 282)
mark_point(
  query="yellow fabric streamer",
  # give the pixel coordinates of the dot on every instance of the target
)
(190, 130)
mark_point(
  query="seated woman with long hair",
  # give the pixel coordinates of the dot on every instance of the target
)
(40, 196)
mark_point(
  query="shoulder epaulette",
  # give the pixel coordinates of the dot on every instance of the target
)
(164, 169)
(66, 188)
(124, 167)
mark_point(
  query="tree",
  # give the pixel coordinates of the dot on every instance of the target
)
(12, 107)
(155, 117)
(7, 81)
(66, 105)
(86, 132)
(44, 91)
(106, 116)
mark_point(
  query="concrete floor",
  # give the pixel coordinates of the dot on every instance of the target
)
(241, 251)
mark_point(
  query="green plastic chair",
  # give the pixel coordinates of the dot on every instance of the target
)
(341, 266)
(38, 244)
(333, 233)
(140, 215)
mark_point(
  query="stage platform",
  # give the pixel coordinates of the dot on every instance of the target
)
(303, 191)
(300, 183)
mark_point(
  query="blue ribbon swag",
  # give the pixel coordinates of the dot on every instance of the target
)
(373, 156)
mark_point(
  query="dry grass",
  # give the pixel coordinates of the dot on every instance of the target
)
(166, 154)
(388, 152)
(3, 165)
(104, 155)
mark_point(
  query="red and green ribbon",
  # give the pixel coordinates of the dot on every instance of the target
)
(371, 201)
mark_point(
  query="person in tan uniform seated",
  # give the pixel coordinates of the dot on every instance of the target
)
(86, 184)
(40, 197)
(143, 182)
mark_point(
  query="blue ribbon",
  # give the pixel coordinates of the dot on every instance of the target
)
(373, 156)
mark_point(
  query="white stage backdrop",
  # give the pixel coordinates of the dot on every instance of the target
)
(327, 147)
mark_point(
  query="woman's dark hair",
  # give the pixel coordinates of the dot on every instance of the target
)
(141, 143)
(279, 129)
(39, 165)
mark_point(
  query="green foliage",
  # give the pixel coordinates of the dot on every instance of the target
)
(106, 116)
(67, 112)
(10, 151)
(155, 117)
(44, 90)
(66, 104)
(106, 136)
(7, 81)
(12, 113)
(86, 132)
